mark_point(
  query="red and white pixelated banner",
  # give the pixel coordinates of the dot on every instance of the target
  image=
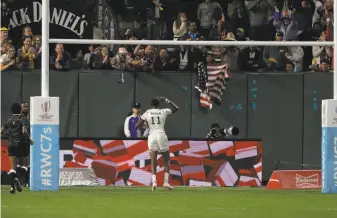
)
(193, 163)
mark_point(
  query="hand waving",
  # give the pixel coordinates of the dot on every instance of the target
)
(162, 98)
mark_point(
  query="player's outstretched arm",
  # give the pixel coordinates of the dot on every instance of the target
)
(174, 107)
(140, 123)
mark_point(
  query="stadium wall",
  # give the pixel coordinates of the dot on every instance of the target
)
(281, 109)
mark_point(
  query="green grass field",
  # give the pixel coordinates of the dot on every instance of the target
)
(99, 202)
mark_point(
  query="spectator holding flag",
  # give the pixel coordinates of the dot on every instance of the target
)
(130, 129)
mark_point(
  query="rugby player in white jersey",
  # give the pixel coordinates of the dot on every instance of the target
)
(157, 139)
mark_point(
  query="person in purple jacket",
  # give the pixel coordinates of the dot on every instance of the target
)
(130, 129)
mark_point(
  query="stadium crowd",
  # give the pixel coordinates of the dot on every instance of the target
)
(266, 20)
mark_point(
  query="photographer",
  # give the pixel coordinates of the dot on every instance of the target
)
(217, 133)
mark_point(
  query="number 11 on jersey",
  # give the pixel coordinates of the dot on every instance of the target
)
(153, 120)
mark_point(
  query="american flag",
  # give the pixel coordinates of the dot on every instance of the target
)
(212, 82)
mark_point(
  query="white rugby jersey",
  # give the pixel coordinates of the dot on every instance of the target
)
(155, 119)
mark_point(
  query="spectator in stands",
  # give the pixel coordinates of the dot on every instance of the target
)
(180, 26)
(98, 50)
(165, 62)
(89, 57)
(4, 46)
(158, 12)
(183, 58)
(6, 14)
(295, 54)
(133, 36)
(274, 56)
(127, 34)
(327, 19)
(325, 65)
(122, 61)
(102, 60)
(131, 48)
(78, 61)
(304, 14)
(7, 60)
(37, 44)
(27, 32)
(321, 52)
(260, 13)
(192, 34)
(240, 35)
(3, 35)
(139, 52)
(191, 55)
(319, 10)
(290, 66)
(286, 24)
(250, 59)
(26, 55)
(240, 19)
(61, 60)
(207, 12)
(232, 53)
(149, 59)
(152, 33)
(329, 23)
(219, 32)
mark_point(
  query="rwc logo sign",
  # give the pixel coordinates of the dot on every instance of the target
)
(45, 108)
(44, 154)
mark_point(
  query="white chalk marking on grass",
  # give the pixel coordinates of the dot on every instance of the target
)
(189, 209)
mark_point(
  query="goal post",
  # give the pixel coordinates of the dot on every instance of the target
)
(45, 128)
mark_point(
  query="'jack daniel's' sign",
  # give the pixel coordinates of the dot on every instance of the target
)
(64, 18)
(68, 19)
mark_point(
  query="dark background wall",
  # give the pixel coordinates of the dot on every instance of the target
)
(284, 110)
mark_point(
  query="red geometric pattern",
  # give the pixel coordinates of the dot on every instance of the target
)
(193, 163)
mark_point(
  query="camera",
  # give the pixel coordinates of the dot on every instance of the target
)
(216, 132)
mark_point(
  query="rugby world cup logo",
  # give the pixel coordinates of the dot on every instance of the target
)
(45, 108)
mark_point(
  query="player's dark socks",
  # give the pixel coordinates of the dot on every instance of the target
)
(17, 185)
(12, 174)
(26, 176)
(19, 172)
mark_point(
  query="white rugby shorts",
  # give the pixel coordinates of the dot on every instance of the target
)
(158, 142)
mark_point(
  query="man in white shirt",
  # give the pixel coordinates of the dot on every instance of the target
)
(157, 140)
(130, 129)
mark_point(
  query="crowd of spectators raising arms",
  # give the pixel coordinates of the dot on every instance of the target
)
(258, 20)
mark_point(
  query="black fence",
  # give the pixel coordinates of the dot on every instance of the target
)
(281, 109)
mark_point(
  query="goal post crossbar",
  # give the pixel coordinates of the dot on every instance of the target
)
(189, 43)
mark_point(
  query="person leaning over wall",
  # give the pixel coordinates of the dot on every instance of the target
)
(7, 60)
(61, 60)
